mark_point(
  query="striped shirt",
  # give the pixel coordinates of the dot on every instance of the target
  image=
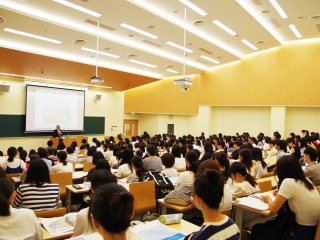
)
(37, 198)
(223, 230)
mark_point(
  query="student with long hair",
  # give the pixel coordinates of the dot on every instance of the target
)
(16, 223)
(125, 168)
(187, 177)
(259, 166)
(243, 182)
(63, 166)
(13, 164)
(138, 170)
(111, 211)
(303, 200)
(222, 160)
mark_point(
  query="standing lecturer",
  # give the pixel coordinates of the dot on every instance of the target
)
(57, 132)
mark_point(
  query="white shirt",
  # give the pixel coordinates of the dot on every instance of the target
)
(170, 172)
(14, 164)
(304, 203)
(108, 155)
(60, 168)
(185, 178)
(226, 202)
(22, 224)
(72, 158)
(180, 164)
(82, 225)
(113, 161)
(123, 171)
(243, 189)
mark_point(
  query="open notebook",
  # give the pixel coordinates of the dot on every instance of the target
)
(59, 225)
(254, 201)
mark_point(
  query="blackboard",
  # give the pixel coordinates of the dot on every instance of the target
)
(14, 126)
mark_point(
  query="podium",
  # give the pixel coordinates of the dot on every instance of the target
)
(68, 140)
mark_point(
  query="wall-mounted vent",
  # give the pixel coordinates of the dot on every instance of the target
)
(92, 22)
(205, 51)
(152, 43)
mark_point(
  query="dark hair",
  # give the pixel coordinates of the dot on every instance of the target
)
(192, 158)
(209, 187)
(312, 153)
(152, 150)
(139, 153)
(136, 161)
(277, 135)
(118, 155)
(51, 151)
(2, 173)
(70, 150)
(1, 154)
(176, 152)
(91, 151)
(257, 156)
(101, 177)
(240, 168)
(94, 140)
(62, 155)
(167, 160)
(112, 207)
(97, 155)
(19, 149)
(34, 156)
(238, 143)
(223, 161)
(208, 148)
(50, 143)
(246, 157)
(84, 141)
(206, 165)
(288, 166)
(32, 151)
(6, 190)
(12, 152)
(126, 157)
(61, 146)
(38, 173)
(23, 155)
(282, 144)
(102, 164)
(42, 152)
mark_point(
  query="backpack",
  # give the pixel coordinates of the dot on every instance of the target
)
(163, 184)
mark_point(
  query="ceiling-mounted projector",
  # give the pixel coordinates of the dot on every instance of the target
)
(184, 82)
(96, 79)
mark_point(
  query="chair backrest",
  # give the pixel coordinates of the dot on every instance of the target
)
(144, 196)
(317, 236)
(269, 174)
(58, 212)
(227, 212)
(62, 179)
(265, 186)
(10, 175)
(87, 166)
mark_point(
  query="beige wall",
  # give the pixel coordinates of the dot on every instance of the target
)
(110, 106)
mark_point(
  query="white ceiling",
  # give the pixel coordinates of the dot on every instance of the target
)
(163, 18)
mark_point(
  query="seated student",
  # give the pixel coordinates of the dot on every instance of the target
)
(221, 159)
(109, 153)
(259, 166)
(138, 170)
(83, 144)
(16, 223)
(37, 193)
(208, 151)
(111, 211)
(61, 146)
(71, 156)
(98, 147)
(2, 173)
(272, 151)
(63, 166)
(208, 193)
(74, 144)
(43, 153)
(89, 154)
(12, 164)
(168, 162)
(116, 159)
(99, 178)
(24, 173)
(152, 162)
(187, 177)
(294, 148)
(312, 170)
(125, 169)
(50, 145)
(226, 202)
(235, 154)
(99, 162)
(303, 200)
(243, 182)
(281, 147)
(23, 155)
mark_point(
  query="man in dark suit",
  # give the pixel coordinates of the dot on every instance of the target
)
(57, 132)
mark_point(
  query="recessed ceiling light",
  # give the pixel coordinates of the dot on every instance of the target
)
(132, 28)
(279, 9)
(249, 44)
(79, 42)
(99, 52)
(172, 71)
(132, 55)
(77, 7)
(179, 47)
(210, 59)
(31, 35)
(260, 42)
(193, 7)
(295, 31)
(198, 23)
(315, 17)
(224, 27)
(143, 63)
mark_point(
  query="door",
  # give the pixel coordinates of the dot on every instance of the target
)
(170, 129)
(130, 127)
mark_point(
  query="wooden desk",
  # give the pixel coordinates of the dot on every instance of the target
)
(68, 140)
(47, 236)
(70, 190)
(179, 208)
(273, 181)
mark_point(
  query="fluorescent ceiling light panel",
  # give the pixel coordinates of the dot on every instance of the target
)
(77, 7)
(279, 9)
(132, 28)
(255, 13)
(224, 27)
(92, 30)
(210, 59)
(99, 52)
(193, 7)
(295, 31)
(168, 16)
(10, 30)
(179, 47)
(172, 71)
(249, 44)
(143, 63)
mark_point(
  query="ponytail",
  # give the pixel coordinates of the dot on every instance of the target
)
(6, 190)
(240, 168)
(251, 180)
(12, 152)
